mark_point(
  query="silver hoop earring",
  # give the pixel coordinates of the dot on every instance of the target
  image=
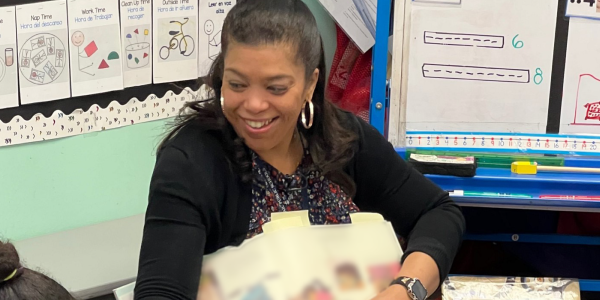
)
(308, 122)
(222, 107)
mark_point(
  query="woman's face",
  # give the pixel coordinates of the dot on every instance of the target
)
(264, 88)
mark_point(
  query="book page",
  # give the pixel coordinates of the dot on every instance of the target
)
(248, 272)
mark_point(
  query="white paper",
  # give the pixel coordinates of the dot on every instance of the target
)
(367, 9)
(9, 86)
(43, 48)
(348, 17)
(95, 43)
(472, 68)
(175, 40)
(212, 14)
(136, 35)
(585, 8)
(580, 111)
(125, 292)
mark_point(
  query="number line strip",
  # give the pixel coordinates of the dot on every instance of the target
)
(534, 143)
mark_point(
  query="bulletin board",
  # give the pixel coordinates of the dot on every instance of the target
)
(71, 67)
(497, 76)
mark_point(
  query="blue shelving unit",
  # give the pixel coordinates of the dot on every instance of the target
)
(496, 180)
(379, 103)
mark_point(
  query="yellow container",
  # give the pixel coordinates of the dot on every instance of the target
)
(524, 167)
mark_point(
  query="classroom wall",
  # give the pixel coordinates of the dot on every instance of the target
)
(58, 185)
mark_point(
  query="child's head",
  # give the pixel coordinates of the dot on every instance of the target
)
(18, 282)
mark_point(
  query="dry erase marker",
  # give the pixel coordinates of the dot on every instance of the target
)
(566, 197)
(487, 194)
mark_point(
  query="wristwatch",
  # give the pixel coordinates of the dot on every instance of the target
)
(415, 289)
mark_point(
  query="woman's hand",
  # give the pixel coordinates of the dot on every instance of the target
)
(416, 265)
(393, 292)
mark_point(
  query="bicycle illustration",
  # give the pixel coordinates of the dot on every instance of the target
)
(179, 39)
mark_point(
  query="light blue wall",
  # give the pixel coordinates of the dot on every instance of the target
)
(57, 185)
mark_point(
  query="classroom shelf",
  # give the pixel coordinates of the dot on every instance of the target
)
(503, 181)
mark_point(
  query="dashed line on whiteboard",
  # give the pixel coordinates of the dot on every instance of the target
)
(463, 39)
(475, 73)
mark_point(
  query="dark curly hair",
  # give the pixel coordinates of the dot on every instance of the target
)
(25, 283)
(274, 22)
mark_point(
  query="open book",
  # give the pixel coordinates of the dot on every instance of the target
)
(292, 260)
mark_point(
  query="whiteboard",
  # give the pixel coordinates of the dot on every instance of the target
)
(472, 68)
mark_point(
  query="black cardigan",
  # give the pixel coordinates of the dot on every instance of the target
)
(198, 205)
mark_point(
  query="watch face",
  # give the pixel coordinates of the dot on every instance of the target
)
(419, 290)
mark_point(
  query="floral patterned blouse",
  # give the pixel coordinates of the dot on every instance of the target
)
(273, 191)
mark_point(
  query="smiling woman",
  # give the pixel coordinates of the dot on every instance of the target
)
(264, 98)
(268, 142)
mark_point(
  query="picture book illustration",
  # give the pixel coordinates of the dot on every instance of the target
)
(42, 58)
(380, 276)
(94, 55)
(214, 40)
(316, 290)
(348, 277)
(257, 292)
(209, 287)
(176, 39)
(137, 47)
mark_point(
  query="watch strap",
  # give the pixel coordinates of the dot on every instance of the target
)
(409, 283)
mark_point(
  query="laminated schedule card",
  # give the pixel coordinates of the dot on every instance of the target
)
(95, 43)
(175, 40)
(9, 87)
(212, 14)
(42, 37)
(136, 35)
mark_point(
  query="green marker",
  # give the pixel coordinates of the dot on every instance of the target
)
(462, 193)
